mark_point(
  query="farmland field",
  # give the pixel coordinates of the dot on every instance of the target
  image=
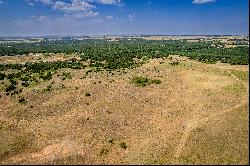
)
(110, 103)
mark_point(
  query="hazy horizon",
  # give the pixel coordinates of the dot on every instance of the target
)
(90, 35)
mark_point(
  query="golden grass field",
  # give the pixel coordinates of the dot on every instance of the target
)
(198, 114)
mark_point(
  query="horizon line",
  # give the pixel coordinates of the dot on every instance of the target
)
(89, 35)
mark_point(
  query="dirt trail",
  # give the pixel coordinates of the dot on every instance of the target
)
(237, 79)
(194, 123)
(242, 68)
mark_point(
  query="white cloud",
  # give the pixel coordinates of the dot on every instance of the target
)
(84, 15)
(73, 7)
(77, 8)
(106, 2)
(202, 1)
(1, 2)
(51, 2)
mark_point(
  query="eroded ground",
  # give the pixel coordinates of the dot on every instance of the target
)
(198, 114)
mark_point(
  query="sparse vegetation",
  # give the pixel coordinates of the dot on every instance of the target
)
(47, 89)
(22, 100)
(155, 81)
(242, 75)
(104, 151)
(66, 76)
(123, 145)
(111, 141)
(87, 94)
(46, 76)
(143, 81)
(174, 63)
(2, 76)
(13, 141)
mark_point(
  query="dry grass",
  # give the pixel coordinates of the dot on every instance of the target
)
(187, 118)
(223, 140)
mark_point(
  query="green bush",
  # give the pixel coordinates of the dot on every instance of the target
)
(156, 81)
(22, 100)
(143, 81)
(2, 76)
(66, 76)
(10, 88)
(46, 76)
(111, 141)
(123, 145)
(48, 89)
(174, 63)
(87, 94)
(25, 84)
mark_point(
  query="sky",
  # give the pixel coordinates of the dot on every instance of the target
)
(103, 17)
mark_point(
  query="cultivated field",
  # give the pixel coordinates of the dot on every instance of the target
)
(195, 113)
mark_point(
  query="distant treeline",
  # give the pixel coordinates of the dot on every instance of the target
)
(120, 54)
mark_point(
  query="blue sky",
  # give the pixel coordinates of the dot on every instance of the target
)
(96, 17)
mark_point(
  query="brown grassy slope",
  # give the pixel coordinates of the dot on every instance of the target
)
(177, 121)
(226, 144)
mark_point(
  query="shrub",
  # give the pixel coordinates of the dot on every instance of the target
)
(104, 151)
(22, 100)
(143, 81)
(123, 145)
(25, 84)
(48, 89)
(111, 141)
(156, 81)
(46, 76)
(10, 88)
(174, 63)
(2, 76)
(87, 94)
(140, 81)
(66, 76)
